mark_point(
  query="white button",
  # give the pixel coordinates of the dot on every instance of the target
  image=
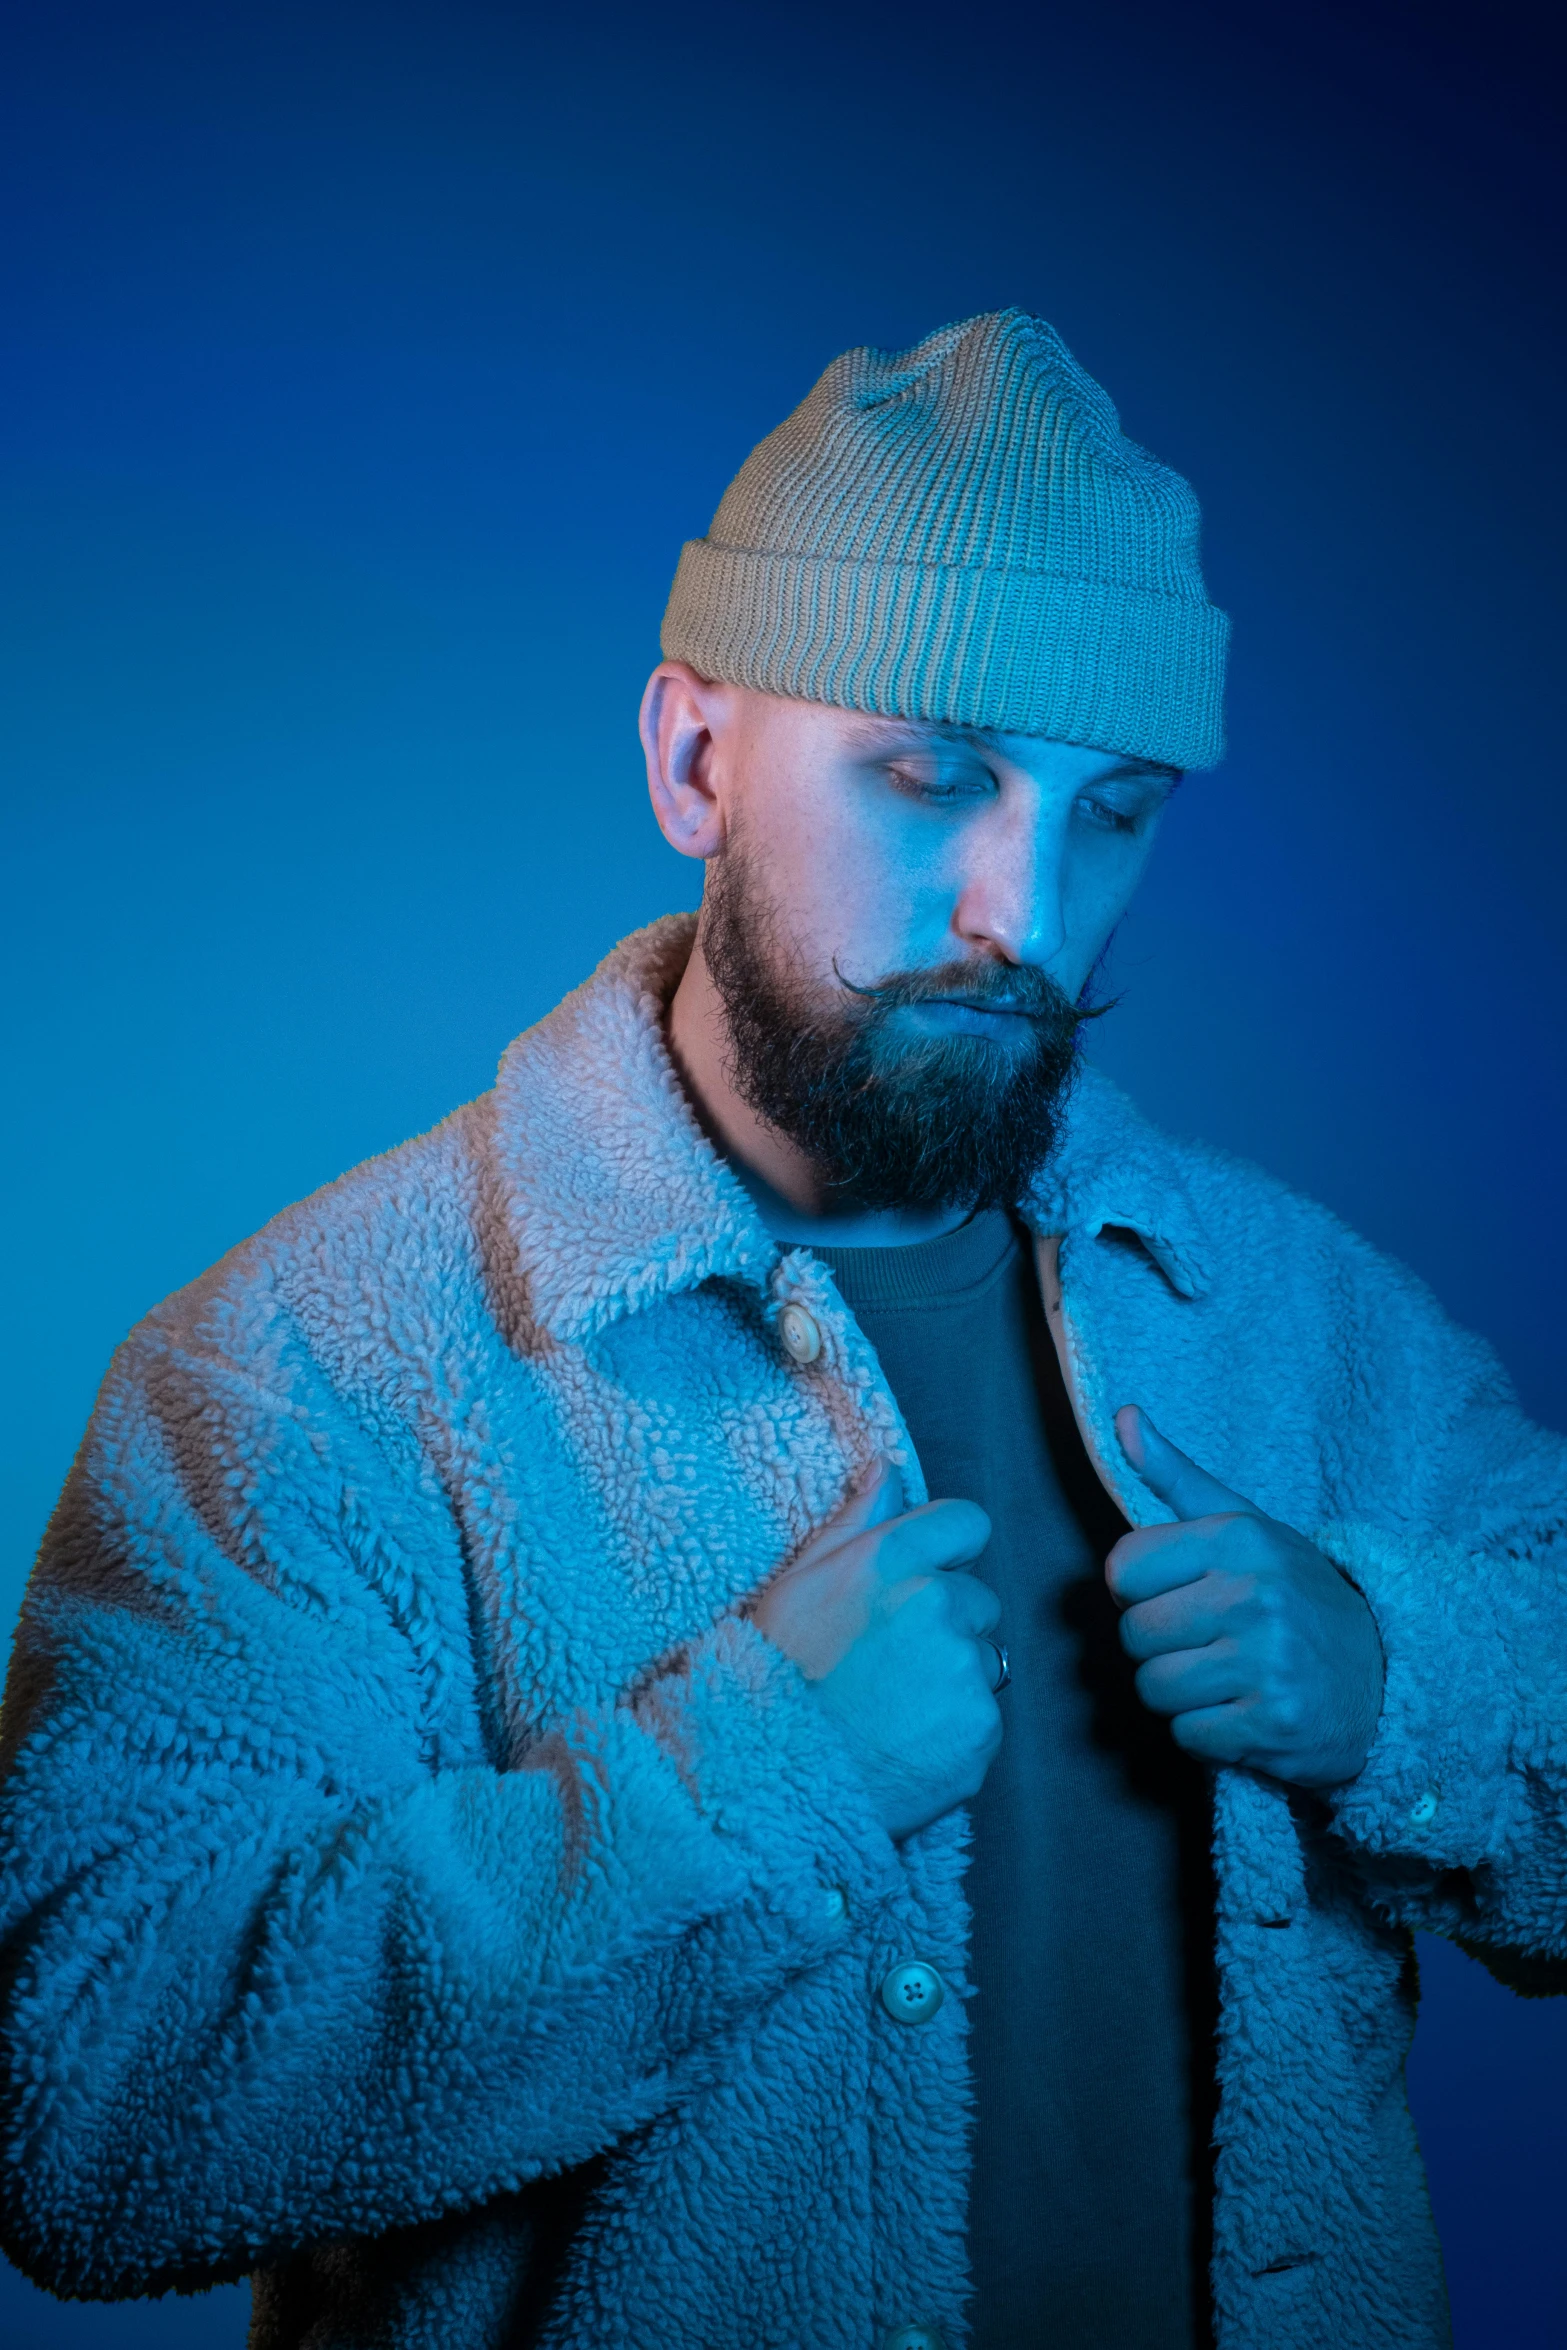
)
(914, 2338)
(1423, 1810)
(912, 1992)
(836, 1903)
(801, 1338)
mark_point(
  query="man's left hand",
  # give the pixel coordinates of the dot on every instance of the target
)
(1260, 1650)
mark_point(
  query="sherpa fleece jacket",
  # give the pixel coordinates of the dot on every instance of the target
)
(401, 1812)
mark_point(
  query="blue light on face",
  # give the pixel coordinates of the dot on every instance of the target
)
(365, 372)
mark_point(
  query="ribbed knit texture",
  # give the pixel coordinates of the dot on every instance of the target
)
(962, 532)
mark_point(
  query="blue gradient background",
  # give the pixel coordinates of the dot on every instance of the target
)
(363, 369)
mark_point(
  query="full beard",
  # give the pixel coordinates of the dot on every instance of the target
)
(886, 1119)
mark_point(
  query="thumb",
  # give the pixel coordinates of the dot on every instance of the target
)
(1166, 1471)
(877, 1498)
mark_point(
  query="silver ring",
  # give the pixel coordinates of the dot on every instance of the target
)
(1005, 1674)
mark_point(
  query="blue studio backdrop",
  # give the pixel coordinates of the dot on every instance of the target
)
(364, 366)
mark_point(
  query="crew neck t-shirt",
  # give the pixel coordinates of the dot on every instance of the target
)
(1091, 2025)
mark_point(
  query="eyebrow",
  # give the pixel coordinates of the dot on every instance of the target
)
(1140, 770)
(922, 734)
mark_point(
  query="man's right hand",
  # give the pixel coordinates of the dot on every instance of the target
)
(890, 1638)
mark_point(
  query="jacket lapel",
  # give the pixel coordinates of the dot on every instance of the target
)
(614, 1196)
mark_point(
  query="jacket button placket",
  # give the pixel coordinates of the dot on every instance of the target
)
(911, 1992)
(799, 1333)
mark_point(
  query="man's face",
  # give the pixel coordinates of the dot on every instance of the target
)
(892, 846)
(900, 919)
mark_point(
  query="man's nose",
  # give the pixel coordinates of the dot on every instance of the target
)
(1010, 904)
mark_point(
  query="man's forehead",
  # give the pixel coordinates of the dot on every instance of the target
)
(877, 733)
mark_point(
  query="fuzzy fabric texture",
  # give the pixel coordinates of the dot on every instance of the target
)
(423, 1888)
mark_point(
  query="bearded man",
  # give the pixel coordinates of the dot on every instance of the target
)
(505, 1755)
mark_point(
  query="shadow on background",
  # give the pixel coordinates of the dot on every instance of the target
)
(364, 367)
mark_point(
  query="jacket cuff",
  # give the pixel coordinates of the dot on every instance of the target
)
(1436, 1786)
(773, 1781)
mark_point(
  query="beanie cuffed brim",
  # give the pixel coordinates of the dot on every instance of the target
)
(1123, 669)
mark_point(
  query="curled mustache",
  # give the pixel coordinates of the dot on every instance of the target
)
(988, 986)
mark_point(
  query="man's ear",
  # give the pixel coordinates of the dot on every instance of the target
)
(681, 716)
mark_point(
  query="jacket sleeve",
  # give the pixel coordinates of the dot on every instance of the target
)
(274, 1968)
(1458, 1822)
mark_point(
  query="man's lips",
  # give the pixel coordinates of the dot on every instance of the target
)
(962, 1016)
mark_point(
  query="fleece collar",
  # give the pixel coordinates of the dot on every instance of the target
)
(617, 1199)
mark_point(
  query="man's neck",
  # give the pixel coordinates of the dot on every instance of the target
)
(843, 1227)
(789, 1195)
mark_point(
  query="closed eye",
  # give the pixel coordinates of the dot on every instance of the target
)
(1129, 798)
(943, 784)
(1108, 816)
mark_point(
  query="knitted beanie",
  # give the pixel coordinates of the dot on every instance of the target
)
(961, 531)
